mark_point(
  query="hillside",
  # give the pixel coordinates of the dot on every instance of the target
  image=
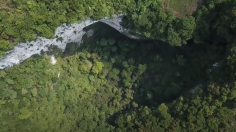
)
(181, 79)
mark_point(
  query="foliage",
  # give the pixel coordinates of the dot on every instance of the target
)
(151, 20)
(120, 84)
(24, 20)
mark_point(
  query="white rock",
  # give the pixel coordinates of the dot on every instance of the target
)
(68, 33)
(58, 75)
(53, 60)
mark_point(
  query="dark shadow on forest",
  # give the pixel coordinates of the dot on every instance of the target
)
(152, 70)
(167, 76)
(171, 71)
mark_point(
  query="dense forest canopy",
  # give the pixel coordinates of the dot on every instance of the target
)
(111, 83)
(24, 20)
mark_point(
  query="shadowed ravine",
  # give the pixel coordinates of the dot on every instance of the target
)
(64, 34)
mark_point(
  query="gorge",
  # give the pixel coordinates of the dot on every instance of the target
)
(64, 34)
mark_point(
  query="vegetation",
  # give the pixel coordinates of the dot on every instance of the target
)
(24, 20)
(151, 20)
(112, 83)
(182, 8)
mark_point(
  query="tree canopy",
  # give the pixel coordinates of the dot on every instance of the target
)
(111, 83)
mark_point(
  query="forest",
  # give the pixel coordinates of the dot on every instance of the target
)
(182, 78)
